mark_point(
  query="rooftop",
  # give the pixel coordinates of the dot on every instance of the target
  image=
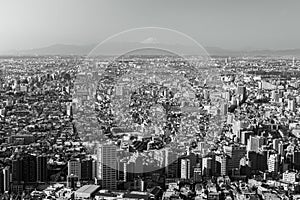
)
(88, 189)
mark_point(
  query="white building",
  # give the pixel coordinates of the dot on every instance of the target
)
(289, 177)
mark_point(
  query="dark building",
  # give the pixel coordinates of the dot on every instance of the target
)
(296, 160)
(87, 169)
(42, 171)
(197, 174)
(17, 171)
(29, 169)
(258, 161)
(72, 181)
(1, 183)
(24, 169)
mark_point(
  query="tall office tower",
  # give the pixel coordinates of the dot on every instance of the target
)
(296, 159)
(224, 109)
(230, 118)
(273, 163)
(29, 168)
(1, 183)
(42, 171)
(2, 77)
(87, 169)
(280, 148)
(275, 144)
(69, 109)
(293, 62)
(94, 169)
(106, 158)
(291, 105)
(121, 170)
(171, 164)
(185, 166)
(134, 167)
(207, 166)
(245, 135)
(6, 179)
(74, 168)
(127, 167)
(255, 143)
(235, 154)
(227, 95)
(275, 96)
(258, 160)
(221, 161)
(241, 91)
(72, 181)
(17, 171)
(197, 174)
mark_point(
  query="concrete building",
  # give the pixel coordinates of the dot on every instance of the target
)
(185, 169)
(273, 163)
(74, 168)
(86, 192)
(107, 163)
(235, 153)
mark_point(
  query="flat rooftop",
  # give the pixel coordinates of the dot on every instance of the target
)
(88, 189)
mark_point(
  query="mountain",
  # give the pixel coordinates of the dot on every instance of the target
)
(57, 49)
(120, 48)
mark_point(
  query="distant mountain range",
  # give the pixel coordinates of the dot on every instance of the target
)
(118, 48)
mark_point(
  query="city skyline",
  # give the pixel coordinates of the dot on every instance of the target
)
(152, 100)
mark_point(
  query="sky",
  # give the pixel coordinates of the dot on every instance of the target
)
(229, 24)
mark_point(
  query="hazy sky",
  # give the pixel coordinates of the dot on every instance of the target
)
(232, 24)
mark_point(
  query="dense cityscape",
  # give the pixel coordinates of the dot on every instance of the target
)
(149, 127)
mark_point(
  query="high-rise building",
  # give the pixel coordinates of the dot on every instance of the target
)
(293, 62)
(171, 164)
(289, 177)
(87, 169)
(235, 153)
(6, 179)
(275, 96)
(207, 166)
(72, 181)
(221, 161)
(17, 171)
(227, 95)
(255, 143)
(273, 163)
(2, 76)
(224, 109)
(241, 91)
(29, 168)
(275, 144)
(245, 135)
(106, 158)
(69, 109)
(197, 174)
(42, 171)
(258, 160)
(280, 148)
(24, 169)
(296, 160)
(134, 167)
(291, 105)
(1, 183)
(74, 168)
(185, 166)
